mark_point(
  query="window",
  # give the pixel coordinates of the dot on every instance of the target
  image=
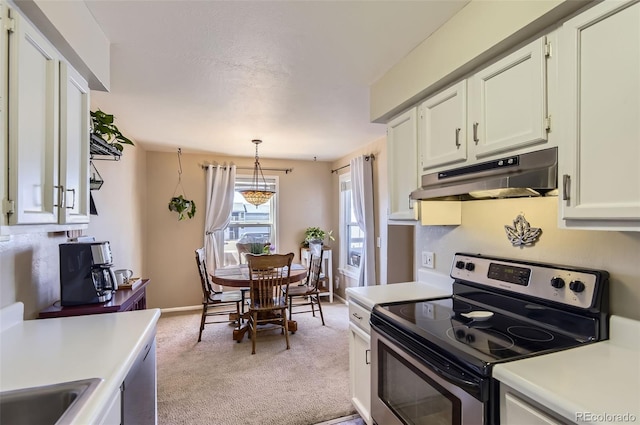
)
(248, 222)
(351, 237)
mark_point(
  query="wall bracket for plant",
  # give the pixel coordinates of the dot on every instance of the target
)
(522, 233)
(179, 202)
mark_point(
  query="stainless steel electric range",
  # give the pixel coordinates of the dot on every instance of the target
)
(432, 359)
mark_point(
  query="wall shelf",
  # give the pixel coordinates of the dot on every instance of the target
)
(101, 150)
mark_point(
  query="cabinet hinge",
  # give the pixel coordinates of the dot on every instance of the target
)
(547, 123)
(547, 49)
(10, 25)
(8, 207)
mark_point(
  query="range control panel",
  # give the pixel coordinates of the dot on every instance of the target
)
(566, 285)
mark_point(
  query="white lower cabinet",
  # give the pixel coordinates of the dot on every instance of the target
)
(113, 413)
(360, 360)
(599, 83)
(517, 409)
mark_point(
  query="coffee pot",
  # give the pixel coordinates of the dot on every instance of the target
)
(86, 275)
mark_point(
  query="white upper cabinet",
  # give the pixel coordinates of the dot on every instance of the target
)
(402, 166)
(501, 109)
(33, 126)
(45, 183)
(74, 146)
(599, 83)
(442, 130)
(508, 101)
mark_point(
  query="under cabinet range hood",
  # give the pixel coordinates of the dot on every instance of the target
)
(528, 174)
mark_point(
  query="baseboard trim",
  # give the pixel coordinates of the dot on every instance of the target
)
(180, 309)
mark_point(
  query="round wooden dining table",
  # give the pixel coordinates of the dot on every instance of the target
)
(238, 277)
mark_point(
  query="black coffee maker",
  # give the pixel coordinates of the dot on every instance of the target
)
(86, 276)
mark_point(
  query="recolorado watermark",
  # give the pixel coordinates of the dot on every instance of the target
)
(605, 417)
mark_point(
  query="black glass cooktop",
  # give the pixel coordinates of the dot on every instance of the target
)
(448, 326)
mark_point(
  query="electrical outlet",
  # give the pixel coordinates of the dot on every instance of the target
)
(428, 259)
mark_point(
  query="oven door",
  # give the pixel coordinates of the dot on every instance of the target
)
(407, 390)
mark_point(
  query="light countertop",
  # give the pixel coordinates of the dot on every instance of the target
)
(597, 381)
(431, 285)
(49, 351)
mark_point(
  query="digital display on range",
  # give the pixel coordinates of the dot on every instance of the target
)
(509, 274)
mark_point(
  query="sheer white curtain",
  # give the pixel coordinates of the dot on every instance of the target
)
(221, 180)
(362, 203)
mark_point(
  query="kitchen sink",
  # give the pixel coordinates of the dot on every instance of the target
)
(52, 404)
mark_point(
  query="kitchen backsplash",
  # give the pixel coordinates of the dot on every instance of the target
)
(482, 231)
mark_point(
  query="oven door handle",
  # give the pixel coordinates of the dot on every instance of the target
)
(461, 382)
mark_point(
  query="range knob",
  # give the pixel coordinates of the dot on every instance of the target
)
(460, 265)
(557, 282)
(576, 286)
(470, 266)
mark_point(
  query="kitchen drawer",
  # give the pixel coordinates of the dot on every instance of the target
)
(359, 316)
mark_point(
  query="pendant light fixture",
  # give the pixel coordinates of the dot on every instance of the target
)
(258, 193)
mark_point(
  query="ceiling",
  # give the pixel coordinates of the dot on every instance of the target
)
(210, 76)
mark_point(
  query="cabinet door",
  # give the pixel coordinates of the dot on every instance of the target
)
(599, 79)
(74, 146)
(508, 104)
(442, 130)
(33, 125)
(4, 59)
(360, 371)
(516, 411)
(402, 151)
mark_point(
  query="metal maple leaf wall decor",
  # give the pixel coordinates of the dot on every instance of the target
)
(522, 233)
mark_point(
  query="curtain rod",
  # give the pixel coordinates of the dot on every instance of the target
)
(366, 158)
(284, 170)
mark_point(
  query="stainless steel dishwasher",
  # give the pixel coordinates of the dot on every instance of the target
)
(139, 406)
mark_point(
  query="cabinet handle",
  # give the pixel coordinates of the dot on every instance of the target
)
(73, 198)
(366, 357)
(566, 186)
(475, 133)
(410, 203)
(356, 316)
(458, 138)
(60, 196)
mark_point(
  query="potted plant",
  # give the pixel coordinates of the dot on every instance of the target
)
(102, 126)
(316, 234)
(182, 206)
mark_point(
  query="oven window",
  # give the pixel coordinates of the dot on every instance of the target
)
(413, 396)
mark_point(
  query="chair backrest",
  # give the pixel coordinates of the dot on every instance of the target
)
(207, 290)
(269, 274)
(316, 256)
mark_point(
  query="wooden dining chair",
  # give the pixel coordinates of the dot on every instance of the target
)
(308, 292)
(269, 277)
(214, 303)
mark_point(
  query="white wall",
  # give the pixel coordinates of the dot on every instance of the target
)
(482, 231)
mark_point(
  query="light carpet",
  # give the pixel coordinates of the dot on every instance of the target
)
(218, 381)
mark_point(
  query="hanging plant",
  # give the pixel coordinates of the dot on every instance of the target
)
(179, 203)
(182, 206)
(102, 125)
